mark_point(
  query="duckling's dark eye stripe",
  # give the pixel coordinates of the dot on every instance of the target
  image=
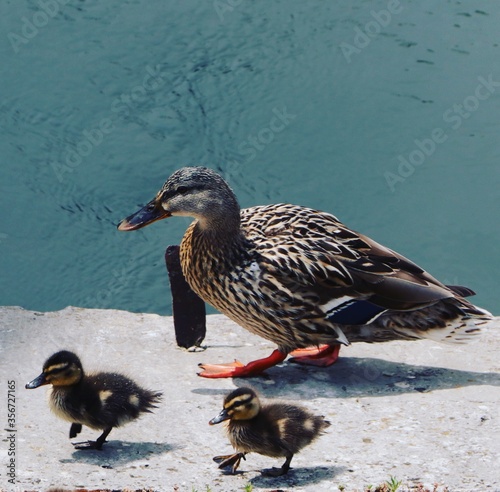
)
(56, 368)
(239, 402)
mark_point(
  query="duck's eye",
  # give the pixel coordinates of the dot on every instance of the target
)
(182, 190)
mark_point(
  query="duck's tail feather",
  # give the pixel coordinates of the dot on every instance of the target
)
(461, 290)
(450, 321)
(463, 330)
(150, 400)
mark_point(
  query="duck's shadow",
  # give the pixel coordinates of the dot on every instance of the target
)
(116, 453)
(297, 477)
(353, 377)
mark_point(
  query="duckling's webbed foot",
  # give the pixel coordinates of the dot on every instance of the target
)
(74, 430)
(87, 445)
(94, 444)
(278, 472)
(237, 370)
(322, 356)
(229, 460)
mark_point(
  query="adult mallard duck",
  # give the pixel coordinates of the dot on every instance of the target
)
(100, 401)
(274, 429)
(299, 277)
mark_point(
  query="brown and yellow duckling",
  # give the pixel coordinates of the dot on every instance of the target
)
(300, 278)
(273, 429)
(100, 401)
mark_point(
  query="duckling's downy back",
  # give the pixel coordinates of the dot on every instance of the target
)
(277, 430)
(103, 400)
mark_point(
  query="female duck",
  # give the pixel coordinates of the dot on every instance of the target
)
(299, 277)
(100, 401)
(275, 429)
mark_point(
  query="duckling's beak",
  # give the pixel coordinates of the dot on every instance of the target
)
(39, 381)
(220, 418)
(148, 214)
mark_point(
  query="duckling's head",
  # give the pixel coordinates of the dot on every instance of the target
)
(61, 369)
(196, 192)
(240, 404)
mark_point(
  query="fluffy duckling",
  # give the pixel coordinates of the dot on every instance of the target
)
(100, 401)
(273, 429)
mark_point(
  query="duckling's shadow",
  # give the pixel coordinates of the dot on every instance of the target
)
(116, 453)
(298, 477)
(355, 377)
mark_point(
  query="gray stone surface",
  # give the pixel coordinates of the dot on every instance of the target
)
(419, 411)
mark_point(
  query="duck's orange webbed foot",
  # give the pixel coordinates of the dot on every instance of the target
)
(322, 356)
(237, 370)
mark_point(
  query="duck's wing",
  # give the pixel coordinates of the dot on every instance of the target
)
(347, 270)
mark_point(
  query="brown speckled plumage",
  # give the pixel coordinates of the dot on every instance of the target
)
(299, 277)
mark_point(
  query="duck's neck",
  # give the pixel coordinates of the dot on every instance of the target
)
(209, 247)
(219, 225)
(223, 235)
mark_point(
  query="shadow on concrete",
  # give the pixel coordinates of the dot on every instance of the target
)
(358, 377)
(298, 477)
(115, 453)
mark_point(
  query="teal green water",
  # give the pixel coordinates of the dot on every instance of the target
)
(386, 114)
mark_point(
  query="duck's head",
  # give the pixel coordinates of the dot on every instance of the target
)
(197, 192)
(61, 369)
(240, 404)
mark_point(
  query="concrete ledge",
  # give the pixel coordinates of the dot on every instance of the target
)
(420, 411)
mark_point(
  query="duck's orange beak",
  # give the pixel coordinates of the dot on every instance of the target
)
(148, 214)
